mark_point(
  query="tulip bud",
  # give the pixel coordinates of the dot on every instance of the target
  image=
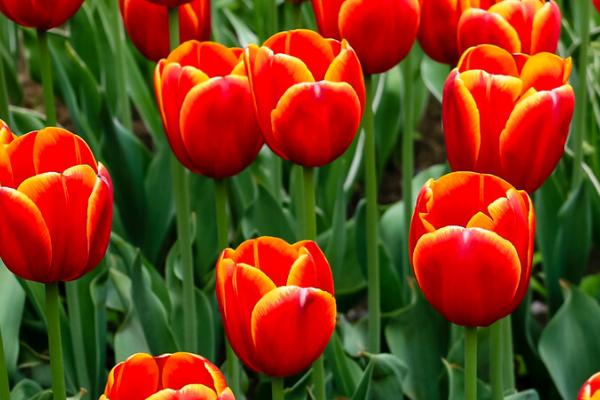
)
(39, 14)
(56, 199)
(166, 377)
(508, 115)
(471, 246)
(590, 389)
(276, 302)
(147, 24)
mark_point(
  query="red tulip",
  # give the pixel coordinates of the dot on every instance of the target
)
(519, 26)
(382, 32)
(471, 245)
(6, 136)
(170, 3)
(309, 95)
(182, 376)
(590, 389)
(439, 25)
(508, 115)
(55, 206)
(207, 109)
(40, 14)
(147, 24)
(277, 303)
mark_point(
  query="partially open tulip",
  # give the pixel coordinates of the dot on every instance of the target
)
(147, 24)
(519, 26)
(40, 14)
(56, 200)
(381, 32)
(471, 245)
(179, 376)
(207, 109)
(590, 389)
(508, 115)
(277, 304)
(309, 95)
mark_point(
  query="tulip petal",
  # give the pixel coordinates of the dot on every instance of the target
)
(492, 59)
(545, 71)
(19, 152)
(23, 228)
(99, 217)
(477, 26)
(128, 375)
(227, 394)
(56, 149)
(223, 105)
(274, 257)
(307, 123)
(294, 323)
(438, 22)
(189, 392)
(519, 14)
(546, 29)
(181, 369)
(469, 275)
(346, 68)
(313, 271)
(212, 58)
(326, 14)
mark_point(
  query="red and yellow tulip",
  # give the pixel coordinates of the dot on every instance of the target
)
(309, 95)
(40, 14)
(168, 377)
(170, 3)
(590, 389)
(207, 109)
(471, 245)
(56, 199)
(508, 115)
(277, 304)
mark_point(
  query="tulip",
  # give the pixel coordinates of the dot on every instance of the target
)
(207, 109)
(309, 95)
(381, 32)
(170, 3)
(590, 389)
(277, 304)
(6, 135)
(167, 377)
(508, 115)
(39, 14)
(519, 26)
(147, 24)
(55, 199)
(471, 246)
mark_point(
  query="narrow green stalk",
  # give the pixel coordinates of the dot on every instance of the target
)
(470, 363)
(173, 27)
(496, 353)
(372, 222)
(4, 112)
(46, 69)
(123, 106)
(181, 194)
(508, 369)
(581, 109)
(55, 341)
(277, 388)
(4, 385)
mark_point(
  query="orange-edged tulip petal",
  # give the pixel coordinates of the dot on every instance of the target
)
(546, 29)
(308, 109)
(323, 278)
(545, 71)
(181, 369)
(37, 14)
(211, 58)
(478, 26)
(57, 149)
(124, 382)
(302, 316)
(392, 29)
(220, 105)
(273, 256)
(326, 14)
(23, 228)
(456, 266)
(591, 388)
(99, 217)
(189, 392)
(170, 3)
(489, 58)
(546, 115)
(6, 135)
(346, 68)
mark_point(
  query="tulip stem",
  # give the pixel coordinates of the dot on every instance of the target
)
(580, 110)
(277, 388)
(181, 194)
(470, 363)
(508, 369)
(4, 385)
(55, 341)
(4, 111)
(123, 105)
(496, 353)
(46, 72)
(372, 222)
(173, 27)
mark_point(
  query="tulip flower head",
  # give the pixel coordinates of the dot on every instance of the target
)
(40, 14)
(382, 32)
(471, 246)
(277, 304)
(519, 26)
(55, 205)
(147, 23)
(590, 389)
(207, 109)
(508, 115)
(168, 377)
(309, 95)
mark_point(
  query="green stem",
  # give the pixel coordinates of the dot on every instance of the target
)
(4, 111)
(580, 110)
(181, 194)
(123, 106)
(296, 15)
(46, 70)
(55, 341)
(470, 363)
(496, 353)
(277, 388)
(4, 385)
(508, 369)
(372, 222)
(173, 27)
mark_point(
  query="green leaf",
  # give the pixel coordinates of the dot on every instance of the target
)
(434, 76)
(266, 218)
(26, 389)
(526, 395)
(456, 384)
(382, 379)
(11, 293)
(345, 371)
